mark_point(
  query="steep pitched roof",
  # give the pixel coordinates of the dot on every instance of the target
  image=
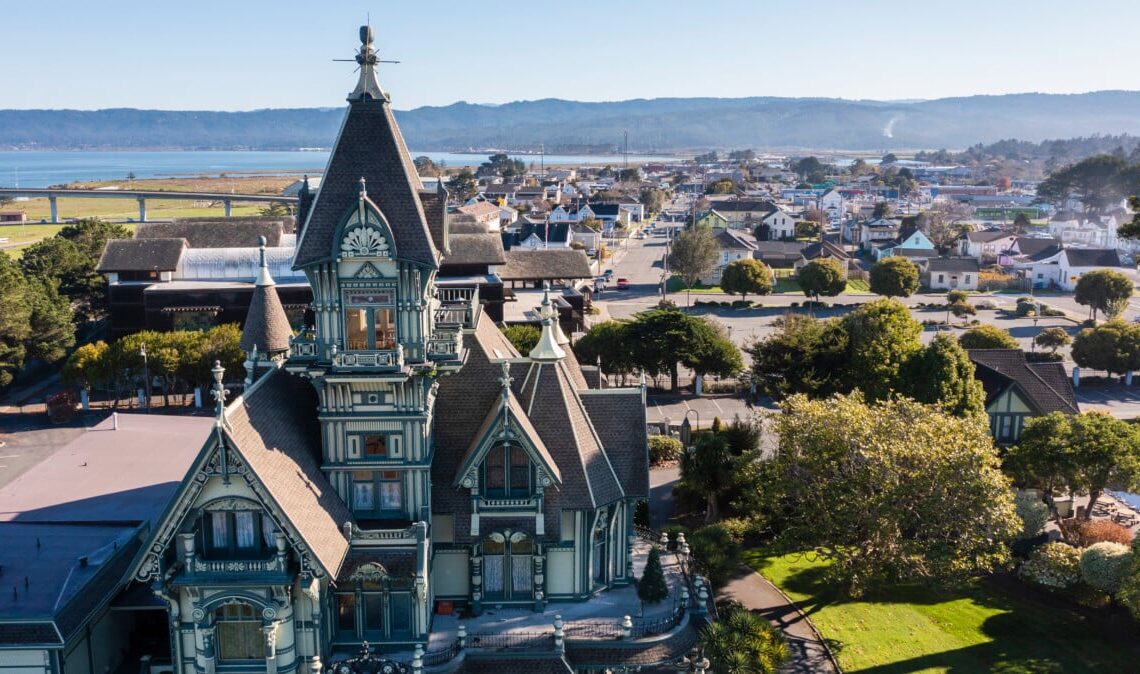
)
(266, 326)
(369, 146)
(824, 249)
(494, 419)
(1034, 247)
(619, 417)
(1045, 384)
(733, 240)
(274, 428)
(141, 255)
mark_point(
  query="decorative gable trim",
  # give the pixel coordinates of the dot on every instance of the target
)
(504, 430)
(364, 232)
(148, 566)
(367, 271)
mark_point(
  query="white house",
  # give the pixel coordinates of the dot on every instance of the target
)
(876, 231)
(950, 273)
(733, 245)
(1075, 262)
(780, 224)
(985, 245)
(831, 202)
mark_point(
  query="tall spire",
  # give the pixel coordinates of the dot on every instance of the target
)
(547, 347)
(267, 330)
(548, 311)
(367, 87)
(263, 277)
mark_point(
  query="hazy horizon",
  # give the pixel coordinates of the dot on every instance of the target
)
(226, 56)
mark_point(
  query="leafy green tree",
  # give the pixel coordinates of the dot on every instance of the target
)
(1105, 565)
(463, 185)
(712, 352)
(743, 642)
(502, 165)
(807, 166)
(894, 277)
(986, 336)
(881, 337)
(1085, 453)
(52, 330)
(1104, 290)
(806, 229)
(882, 210)
(523, 337)
(957, 295)
(694, 253)
(1113, 346)
(1053, 339)
(652, 199)
(92, 235)
(15, 320)
(1099, 182)
(86, 367)
(707, 469)
(963, 310)
(722, 186)
(425, 166)
(1021, 222)
(745, 276)
(610, 342)
(629, 175)
(803, 355)
(823, 276)
(715, 553)
(895, 460)
(651, 587)
(889, 158)
(941, 374)
(275, 210)
(68, 260)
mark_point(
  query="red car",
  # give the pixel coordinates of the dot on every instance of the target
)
(622, 283)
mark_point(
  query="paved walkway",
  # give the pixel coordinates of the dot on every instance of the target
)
(754, 592)
(808, 654)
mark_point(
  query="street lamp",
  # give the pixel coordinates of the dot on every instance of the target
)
(146, 378)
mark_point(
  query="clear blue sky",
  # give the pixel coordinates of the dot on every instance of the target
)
(245, 54)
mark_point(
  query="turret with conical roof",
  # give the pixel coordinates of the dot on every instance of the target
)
(266, 334)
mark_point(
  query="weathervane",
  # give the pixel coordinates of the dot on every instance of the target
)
(367, 59)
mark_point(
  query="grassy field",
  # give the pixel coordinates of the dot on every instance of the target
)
(38, 210)
(976, 629)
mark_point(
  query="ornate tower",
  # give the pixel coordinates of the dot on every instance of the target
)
(381, 338)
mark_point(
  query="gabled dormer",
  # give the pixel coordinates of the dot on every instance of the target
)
(507, 467)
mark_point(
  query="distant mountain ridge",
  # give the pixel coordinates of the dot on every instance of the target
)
(661, 124)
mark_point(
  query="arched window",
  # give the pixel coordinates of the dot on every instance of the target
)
(507, 572)
(239, 633)
(507, 472)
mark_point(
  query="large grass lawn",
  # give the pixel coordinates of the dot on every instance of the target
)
(976, 629)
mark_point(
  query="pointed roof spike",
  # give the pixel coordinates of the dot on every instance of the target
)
(547, 348)
(367, 86)
(263, 277)
(267, 330)
(363, 188)
(548, 311)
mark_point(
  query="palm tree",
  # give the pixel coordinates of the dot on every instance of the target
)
(743, 643)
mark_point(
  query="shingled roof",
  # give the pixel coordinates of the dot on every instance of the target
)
(275, 430)
(214, 233)
(1046, 385)
(545, 264)
(369, 146)
(266, 326)
(1093, 257)
(618, 416)
(484, 248)
(141, 255)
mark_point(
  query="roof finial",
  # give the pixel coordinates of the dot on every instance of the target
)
(219, 391)
(263, 277)
(363, 188)
(547, 347)
(367, 87)
(548, 310)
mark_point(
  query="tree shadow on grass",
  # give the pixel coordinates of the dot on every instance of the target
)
(1021, 644)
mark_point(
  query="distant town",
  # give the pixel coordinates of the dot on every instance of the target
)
(731, 412)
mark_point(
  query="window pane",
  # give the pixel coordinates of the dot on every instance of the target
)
(246, 532)
(391, 494)
(346, 612)
(268, 530)
(520, 469)
(363, 496)
(356, 329)
(373, 612)
(220, 530)
(375, 445)
(385, 329)
(494, 468)
(401, 612)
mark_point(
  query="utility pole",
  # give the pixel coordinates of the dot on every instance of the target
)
(625, 151)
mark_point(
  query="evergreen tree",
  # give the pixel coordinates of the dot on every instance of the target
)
(942, 374)
(651, 587)
(745, 276)
(894, 277)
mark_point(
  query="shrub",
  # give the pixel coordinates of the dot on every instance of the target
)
(986, 304)
(955, 296)
(663, 448)
(1033, 513)
(1129, 594)
(987, 337)
(741, 529)
(1026, 306)
(742, 641)
(1084, 533)
(651, 587)
(717, 556)
(1105, 565)
(1055, 565)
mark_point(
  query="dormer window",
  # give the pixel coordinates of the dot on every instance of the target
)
(507, 472)
(237, 534)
